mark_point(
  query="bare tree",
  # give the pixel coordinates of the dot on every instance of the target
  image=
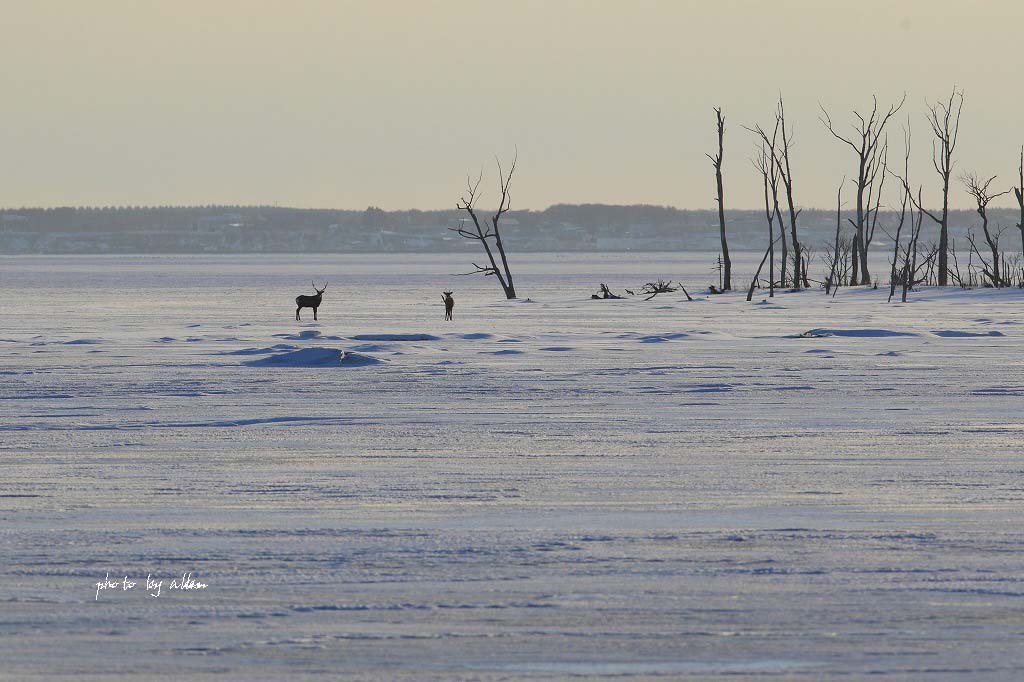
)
(945, 124)
(869, 145)
(780, 157)
(488, 233)
(983, 196)
(769, 170)
(716, 161)
(912, 264)
(898, 270)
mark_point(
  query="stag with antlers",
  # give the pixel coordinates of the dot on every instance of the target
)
(313, 302)
(449, 304)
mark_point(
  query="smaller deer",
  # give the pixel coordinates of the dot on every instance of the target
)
(449, 303)
(309, 301)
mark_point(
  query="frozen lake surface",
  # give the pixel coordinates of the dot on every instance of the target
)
(545, 489)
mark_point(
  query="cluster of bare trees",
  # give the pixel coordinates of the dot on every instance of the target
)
(871, 149)
(772, 161)
(846, 258)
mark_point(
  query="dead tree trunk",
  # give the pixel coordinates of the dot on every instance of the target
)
(485, 234)
(915, 236)
(945, 126)
(784, 260)
(868, 145)
(787, 180)
(1018, 192)
(911, 268)
(757, 275)
(765, 164)
(716, 161)
(897, 268)
(833, 270)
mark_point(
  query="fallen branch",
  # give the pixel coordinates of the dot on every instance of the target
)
(652, 289)
(605, 293)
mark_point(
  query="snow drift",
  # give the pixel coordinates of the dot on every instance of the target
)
(315, 357)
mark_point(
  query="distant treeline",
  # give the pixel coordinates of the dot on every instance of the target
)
(225, 228)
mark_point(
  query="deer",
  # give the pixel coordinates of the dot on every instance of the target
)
(449, 303)
(309, 301)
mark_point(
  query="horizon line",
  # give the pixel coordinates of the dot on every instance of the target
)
(712, 209)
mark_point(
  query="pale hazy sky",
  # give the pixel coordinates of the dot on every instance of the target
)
(348, 104)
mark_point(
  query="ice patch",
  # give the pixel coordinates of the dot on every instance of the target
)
(856, 333)
(710, 388)
(954, 334)
(662, 338)
(307, 335)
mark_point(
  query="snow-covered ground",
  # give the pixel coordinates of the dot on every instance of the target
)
(543, 489)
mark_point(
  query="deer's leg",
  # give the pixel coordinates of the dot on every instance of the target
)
(314, 313)
(297, 313)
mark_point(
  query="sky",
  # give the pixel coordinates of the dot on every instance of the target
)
(350, 104)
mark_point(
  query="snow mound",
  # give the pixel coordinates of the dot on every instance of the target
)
(350, 359)
(394, 337)
(316, 357)
(857, 333)
(261, 351)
